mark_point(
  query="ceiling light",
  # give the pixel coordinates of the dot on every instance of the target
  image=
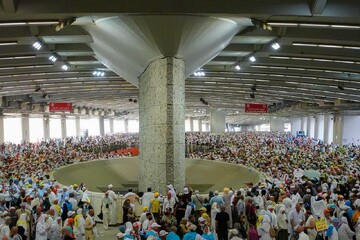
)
(279, 57)
(313, 25)
(99, 73)
(42, 22)
(252, 59)
(44, 95)
(8, 43)
(237, 67)
(252, 95)
(65, 67)
(253, 88)
(275, 46)
(283, 24)
(53, 58)
(9, 24)
(37, 45)
(345, 26)
(199, 73)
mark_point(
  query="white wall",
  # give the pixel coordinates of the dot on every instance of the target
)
(351, 130)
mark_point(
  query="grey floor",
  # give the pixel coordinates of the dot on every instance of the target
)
(109, 234)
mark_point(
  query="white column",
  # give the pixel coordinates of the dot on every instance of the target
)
(319, 127)
(111, 125)
(102, 125)
(326, 128)
(276, 124)
(217, 120)
(200, 125)
(25, 127)
(295, 125)
(162, 124)
(338, 129)
(46, 123)
(77, 126)
(1, 129)
(308, 126)
(63, 126)
(191, 124)
(126, 125)
(304, 125)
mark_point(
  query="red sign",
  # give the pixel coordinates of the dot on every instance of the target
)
(60, 107)
(256, 108)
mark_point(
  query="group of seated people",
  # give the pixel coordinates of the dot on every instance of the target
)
(285, 203)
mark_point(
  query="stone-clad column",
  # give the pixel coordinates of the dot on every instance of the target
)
(1, 128)
(77, 126)
(162, 125)
(111, 125)
(338, 129)
(200, 125)
(46, 121)
(126, 122)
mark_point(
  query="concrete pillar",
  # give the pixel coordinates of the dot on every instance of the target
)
(77, 126)
(46, 123)
(200, 125)
(304, 125)
(276, 124)
(295, 125)
(191, 124)
(162, 124)
(308, 126)
(63, 126)
(111, 125)
(102, 125)
(217, 120)
(319, 127)
(2, 129)
(326, 128)
(126, 125)
(25, 127)
(338, 129)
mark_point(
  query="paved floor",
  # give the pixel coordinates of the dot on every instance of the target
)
(109, 234)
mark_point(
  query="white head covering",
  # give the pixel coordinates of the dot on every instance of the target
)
(266, 223)
(344, 220)
(110, 186)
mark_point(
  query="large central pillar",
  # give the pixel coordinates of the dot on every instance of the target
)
(162, 129)
(25, 126)
(217, 120)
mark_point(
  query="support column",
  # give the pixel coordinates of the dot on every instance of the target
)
(25, 127)
(217, 120)
(338, 129)
(2, 140)
(77, 126)
(308, 126)
(63, 126)
(46, 121)
(326, 128)
(200, 125)
(162, 125)
(319, 127)
(191, 124)
(111, 125)
(101, 125)
(276, 125)
(304, 125)
(126, 125)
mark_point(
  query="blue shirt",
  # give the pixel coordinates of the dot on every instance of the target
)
(208, 236)
(152, 233)
(190, 236)
(172, 236)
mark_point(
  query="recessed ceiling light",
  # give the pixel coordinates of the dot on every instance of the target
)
(37, 45)
(275, 45)
(237, 67)
(252, 59)
(65, 67)
(8, 43)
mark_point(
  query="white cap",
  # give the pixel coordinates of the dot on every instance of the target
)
(308, 190)
(70, 213)
(154, 225)
(163, 233)
(110, 186)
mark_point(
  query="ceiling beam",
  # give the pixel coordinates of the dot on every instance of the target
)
(9, 6)
(318, 6)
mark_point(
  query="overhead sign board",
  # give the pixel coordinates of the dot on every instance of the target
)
(60, 107)
(256, 108)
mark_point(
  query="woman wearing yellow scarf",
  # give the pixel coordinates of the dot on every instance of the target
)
(79, 225)
(23, 223)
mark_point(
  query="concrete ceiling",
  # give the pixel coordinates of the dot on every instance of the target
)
(316, 69)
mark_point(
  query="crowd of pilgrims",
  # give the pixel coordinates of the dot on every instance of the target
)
(285, 204)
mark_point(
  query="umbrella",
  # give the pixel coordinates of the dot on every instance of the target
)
(312, 174)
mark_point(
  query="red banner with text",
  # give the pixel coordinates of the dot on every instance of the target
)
(60, 107)
(256, 108)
